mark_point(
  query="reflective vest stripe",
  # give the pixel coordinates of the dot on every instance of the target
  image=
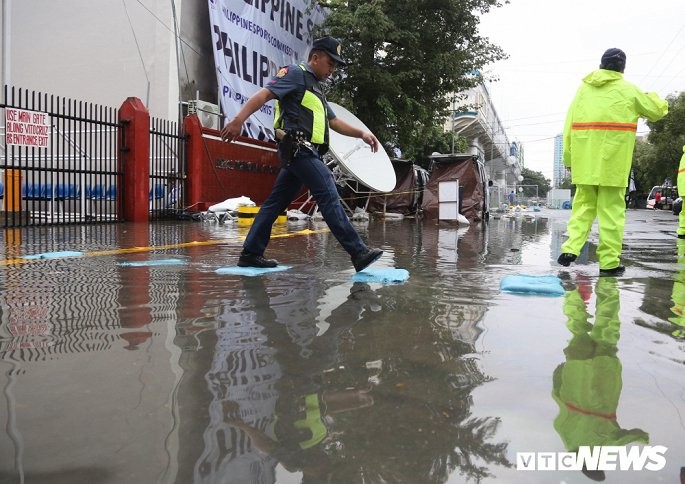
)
(313, 103)
(605, 126)
(573, 408)
(682, 170)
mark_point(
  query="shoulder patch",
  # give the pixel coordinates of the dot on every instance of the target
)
(282, 72)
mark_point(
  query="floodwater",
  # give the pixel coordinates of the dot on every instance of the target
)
(134, 361)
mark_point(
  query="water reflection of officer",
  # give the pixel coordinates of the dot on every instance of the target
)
(678, 294)
(587, 387)
(298, 430)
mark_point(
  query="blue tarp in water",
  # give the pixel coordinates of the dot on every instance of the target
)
(250, 271)
(525, 284)
(160, 262)
(385, 276)
(53, 255)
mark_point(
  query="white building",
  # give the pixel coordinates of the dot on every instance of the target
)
(107, 50)
(561, 173)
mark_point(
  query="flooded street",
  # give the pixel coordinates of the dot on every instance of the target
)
(130, 359)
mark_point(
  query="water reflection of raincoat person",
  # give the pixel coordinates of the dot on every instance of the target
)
(678, 293)
(599, 137)
(681, 193)
(587, 387)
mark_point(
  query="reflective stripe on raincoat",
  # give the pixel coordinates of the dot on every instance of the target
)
(599, 133)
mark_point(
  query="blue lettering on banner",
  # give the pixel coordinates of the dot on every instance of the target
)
(251, 66)
(262, 33)
(289, 17)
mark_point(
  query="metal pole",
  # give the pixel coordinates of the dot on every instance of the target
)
(6, 35)
(452, 115)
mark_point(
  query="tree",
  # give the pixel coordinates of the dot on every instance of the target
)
(646, 171)
(406, 58)
(531, 177)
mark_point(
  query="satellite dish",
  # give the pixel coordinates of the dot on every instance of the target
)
(356, 158)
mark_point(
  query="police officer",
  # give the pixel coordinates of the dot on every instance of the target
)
(303, 118)
(599, 137)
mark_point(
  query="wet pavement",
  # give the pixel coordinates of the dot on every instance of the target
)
(134, 361)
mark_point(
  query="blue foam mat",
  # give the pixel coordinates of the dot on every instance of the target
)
(525, 284)
(160, 262)
(53, 255)
(385, 276)
(250, 271)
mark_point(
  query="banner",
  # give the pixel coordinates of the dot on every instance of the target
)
(252, 40)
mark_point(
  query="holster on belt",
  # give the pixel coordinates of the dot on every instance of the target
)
(286, 146)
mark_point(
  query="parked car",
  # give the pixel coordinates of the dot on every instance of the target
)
(668, 194)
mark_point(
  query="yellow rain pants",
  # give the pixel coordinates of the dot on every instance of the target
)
(608, 205)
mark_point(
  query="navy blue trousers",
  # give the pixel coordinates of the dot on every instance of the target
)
(306, 169)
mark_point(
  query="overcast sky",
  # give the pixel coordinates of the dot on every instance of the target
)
(552, 45)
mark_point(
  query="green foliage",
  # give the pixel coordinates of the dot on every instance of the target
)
(659, 158)
(531, 177)
(406, 58)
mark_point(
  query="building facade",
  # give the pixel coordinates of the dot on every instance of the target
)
(561, 173)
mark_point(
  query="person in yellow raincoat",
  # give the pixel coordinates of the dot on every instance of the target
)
(599, 137)
(587, 386)
(681, 193)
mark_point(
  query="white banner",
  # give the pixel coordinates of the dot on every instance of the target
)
(252, 40)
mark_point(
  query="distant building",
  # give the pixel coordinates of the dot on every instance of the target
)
(561, 173)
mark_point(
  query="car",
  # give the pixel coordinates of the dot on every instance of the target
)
(668, 194)
(677, 206)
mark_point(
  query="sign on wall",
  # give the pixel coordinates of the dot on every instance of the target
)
(27, 128)
(252, 40)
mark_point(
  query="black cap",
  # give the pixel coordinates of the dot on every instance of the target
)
(613, 60)
(330, 46)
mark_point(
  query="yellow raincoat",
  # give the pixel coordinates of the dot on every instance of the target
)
(599, 137)
(599, 134)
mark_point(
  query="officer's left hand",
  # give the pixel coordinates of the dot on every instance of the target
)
(371, 140)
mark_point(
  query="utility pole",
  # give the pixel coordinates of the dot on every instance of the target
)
(6, 36)
(452, 116)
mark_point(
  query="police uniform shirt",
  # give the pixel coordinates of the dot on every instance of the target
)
(288, 86)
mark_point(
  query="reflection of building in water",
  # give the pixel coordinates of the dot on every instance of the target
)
(243, 372)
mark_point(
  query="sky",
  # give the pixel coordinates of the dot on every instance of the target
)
(552, 45)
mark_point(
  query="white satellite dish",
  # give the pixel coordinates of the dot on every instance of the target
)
(356, 158)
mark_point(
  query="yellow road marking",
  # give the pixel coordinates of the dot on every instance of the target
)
(134, 250)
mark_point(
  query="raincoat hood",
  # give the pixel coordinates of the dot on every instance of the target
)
(600, 77)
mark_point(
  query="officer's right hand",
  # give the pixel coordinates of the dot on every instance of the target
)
(231, 130)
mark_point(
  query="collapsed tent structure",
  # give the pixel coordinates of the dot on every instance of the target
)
(407, 196)
(468, 170)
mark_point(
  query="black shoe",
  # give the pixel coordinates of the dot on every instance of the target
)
(565, 259)
(616, 271)
(365, 259)
(681, 236)
(253, 260)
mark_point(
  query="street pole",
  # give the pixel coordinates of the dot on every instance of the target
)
(6, 34)
(452, 115)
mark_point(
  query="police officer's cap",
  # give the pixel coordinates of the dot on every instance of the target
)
(613, 60)
(330, 46)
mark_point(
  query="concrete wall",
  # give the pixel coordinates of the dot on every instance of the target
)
(105, 51)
